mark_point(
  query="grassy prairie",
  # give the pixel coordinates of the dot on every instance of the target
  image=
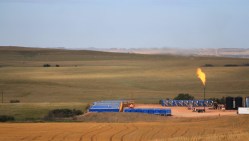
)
(86, 76)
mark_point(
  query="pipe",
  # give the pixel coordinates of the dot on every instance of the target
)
(204, 98)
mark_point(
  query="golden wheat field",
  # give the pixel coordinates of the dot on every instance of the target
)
(175, 129)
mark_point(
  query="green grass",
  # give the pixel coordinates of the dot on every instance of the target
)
(35, 111)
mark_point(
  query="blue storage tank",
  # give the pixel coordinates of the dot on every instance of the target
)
(150, 111)
(170, 102)
(174, 103)
(155, 111)
(185, 102)
(166, 102)
(162, 102)
(180, 103)
(106, 106)
(208, 103)
(200, 102)
(247, 102)
(138, 110)
(145, 111)
(195, 103)
(191, 102)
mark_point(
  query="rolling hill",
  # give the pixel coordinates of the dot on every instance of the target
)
(87, 76)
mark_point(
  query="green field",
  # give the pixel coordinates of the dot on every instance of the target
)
(87, 76)
(35, 111)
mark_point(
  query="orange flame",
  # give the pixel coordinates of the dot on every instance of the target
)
(202, 76)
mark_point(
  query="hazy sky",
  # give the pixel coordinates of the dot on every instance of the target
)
(125, 23)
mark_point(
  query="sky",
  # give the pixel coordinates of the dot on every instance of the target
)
(125, 23)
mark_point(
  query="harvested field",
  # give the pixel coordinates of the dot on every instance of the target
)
(206, 128)
(121, 117)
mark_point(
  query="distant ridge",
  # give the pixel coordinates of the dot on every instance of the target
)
(218, 52)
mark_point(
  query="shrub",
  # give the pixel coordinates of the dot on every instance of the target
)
(46, 65)
(231, 65)
(87, 107)
(218, 100)
(62, 113)
(4, 118)
(183, 96)
(57, 65)
(77, 112)
(246, 64)
(208, 65)
(15, 101)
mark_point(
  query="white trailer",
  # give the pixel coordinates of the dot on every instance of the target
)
(243, 110)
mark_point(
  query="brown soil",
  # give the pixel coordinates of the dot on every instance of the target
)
(184, 112)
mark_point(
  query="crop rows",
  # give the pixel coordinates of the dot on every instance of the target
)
(104, 132)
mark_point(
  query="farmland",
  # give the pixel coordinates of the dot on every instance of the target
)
(82, 77)
(173, 129)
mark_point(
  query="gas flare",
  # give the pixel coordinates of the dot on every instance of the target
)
(202, 76)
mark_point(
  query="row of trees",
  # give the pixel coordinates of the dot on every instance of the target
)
(53, 115)
(5, 118)
(48, 65)
(226, 65)
(62, 113)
